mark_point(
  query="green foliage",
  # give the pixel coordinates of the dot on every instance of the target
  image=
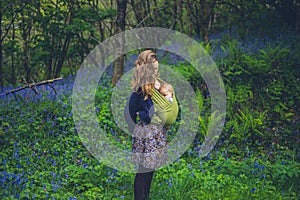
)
(44, 158)
(42, 36)
(256, 157)
(220, 178)
(262, 90)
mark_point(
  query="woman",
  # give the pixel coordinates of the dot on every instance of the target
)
(146, 123)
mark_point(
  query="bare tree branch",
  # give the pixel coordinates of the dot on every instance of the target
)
(33, 86)
(12, 21)
(149, 15)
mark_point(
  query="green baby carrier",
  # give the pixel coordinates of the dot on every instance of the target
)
(165, 111)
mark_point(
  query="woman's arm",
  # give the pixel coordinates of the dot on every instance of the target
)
(137, 104)
(130, 112)
(144, 116)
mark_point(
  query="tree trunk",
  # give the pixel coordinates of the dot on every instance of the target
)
(138, 10)
(63, 56)
(13, 69)
(149, 10)
(120, 26)
(298, 20)
(205, 15)
(175, 15)
(101, 31)
(25, 35)
(180, 15)
(66, 43)
(1, 52)
(229, 23)
(26, 58)
(194, 17)
(50, 58)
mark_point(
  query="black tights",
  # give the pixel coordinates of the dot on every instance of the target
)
(142, 183)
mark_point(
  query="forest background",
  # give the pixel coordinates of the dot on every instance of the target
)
(255, 45)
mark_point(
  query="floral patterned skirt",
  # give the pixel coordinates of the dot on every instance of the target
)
(149, 145)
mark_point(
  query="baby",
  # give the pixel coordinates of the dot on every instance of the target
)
(167, 91)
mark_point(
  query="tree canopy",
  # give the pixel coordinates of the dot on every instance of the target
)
(50, 38)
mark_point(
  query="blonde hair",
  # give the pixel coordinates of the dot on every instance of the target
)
(144, 73)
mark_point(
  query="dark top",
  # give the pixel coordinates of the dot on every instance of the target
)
(136, 103)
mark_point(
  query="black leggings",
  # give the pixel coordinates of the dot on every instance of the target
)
(142, 183)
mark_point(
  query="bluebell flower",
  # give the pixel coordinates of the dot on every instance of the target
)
(15, 144)
(85, 165)
(97, 109)
(31, 183)
(54, 187)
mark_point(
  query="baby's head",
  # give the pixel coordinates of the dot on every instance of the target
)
(166, 90)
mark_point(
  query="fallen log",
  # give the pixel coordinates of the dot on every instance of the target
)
(33, 86)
